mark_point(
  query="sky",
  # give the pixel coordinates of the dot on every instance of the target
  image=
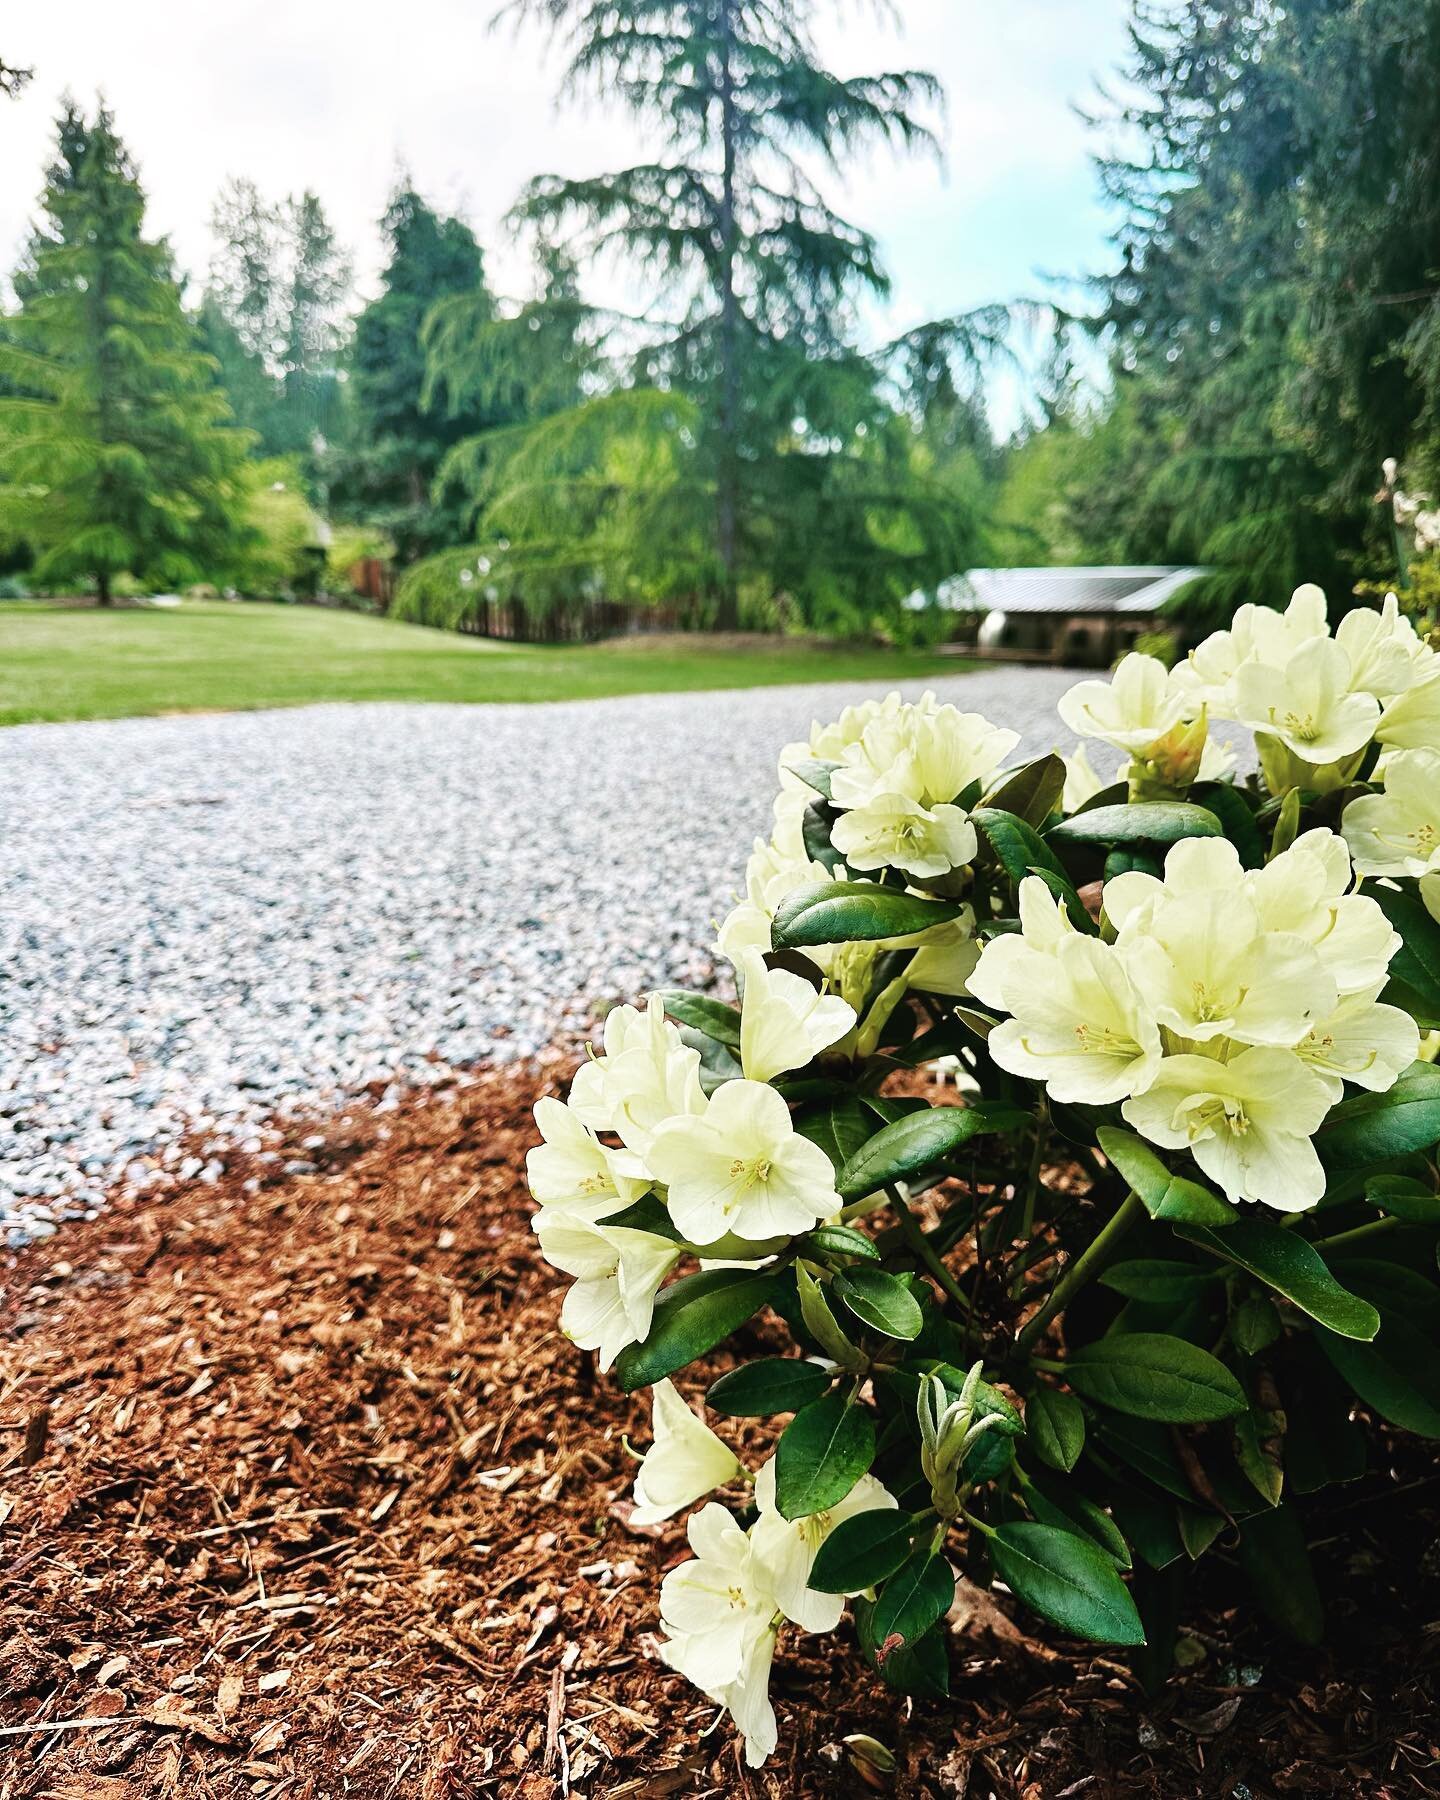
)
(339, 95)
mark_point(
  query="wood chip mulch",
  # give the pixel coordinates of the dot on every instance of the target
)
(302, 1494)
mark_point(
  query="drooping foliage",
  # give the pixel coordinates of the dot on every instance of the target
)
(117, 451)
(731, 443)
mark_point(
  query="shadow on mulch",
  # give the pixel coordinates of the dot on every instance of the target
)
(303, 1494)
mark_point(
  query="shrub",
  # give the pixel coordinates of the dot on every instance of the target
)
(1129, 1296)
(13, 588)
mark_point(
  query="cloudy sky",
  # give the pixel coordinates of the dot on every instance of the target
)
(335, 95)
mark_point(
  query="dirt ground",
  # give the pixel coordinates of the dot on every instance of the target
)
(302, 1494)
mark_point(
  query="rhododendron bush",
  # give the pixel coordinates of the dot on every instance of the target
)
(1153, 1278)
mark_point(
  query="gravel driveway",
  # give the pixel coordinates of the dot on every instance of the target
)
(206, 921)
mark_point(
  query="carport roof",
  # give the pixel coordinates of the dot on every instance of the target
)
(1117, 589)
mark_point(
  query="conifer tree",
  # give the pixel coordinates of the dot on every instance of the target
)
(396, 440)
(117, 450)
(744, 366)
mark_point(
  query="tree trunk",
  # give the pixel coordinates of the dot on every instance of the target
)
(102, 588)
(727, 485)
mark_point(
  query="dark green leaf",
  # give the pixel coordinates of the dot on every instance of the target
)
(815, 829)
(915, 1597)
(921, 1668)
(1155, 1279)
(1152, 1376)
(1055, 1423)
(1031, 793)
(839, 1126)
(842, 1240)
(1404, 1198)
(849, 912)
(1229, 806)
(1068, 1579)
(1371, 1129)
(1165, 1196)
(775, 1384)
(691, 1316)
(1276, 1564)
(1415, 967)
(1062, 1504)
(823, 1452)
(916, 1144)
(1284, 1261)
(700, 1011)
(1141, 822)
(815, 774)
(1396, 1375)
(1258, 1449)
(861, 1551)
(880, 1300)
(1021, 851)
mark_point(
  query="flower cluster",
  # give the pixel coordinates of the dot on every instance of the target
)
(1187, 970)
(721, 1610)
(1224, 1007)
(1315, 701)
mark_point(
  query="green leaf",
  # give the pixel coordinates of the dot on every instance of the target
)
(862, 1550)
(702, 1013)
(1284, 1261)
(691, 1316)
(1404, 1198)
(1030, 794)
(1415, 967)
(1258, 1447)
(916, 1596)
(1396, 1375)
(852, 912)
(1156, 1279)
(1055, 1423)
(1062, 1504)
(1276, 1564)
(1141, 822)
(823, 1452)
(880, 1300)
(1021, 851)
(1379, 1128)
(1165, 1196)
(1228, 804)
(841, 1240)
(815, 828)
(1152, 1376)
(775, 1384)
(815, 774)
(1068, 1579)
(839, 1126)
(921, 1668)
(916, 1144)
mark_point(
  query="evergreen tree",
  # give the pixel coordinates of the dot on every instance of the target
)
(274, 318)
(119, 453)
(397, 442)
(13, 79)
(773, 420)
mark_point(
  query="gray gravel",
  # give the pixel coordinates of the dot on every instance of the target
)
(210, 921)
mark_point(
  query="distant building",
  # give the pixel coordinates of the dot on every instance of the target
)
(1078, 616)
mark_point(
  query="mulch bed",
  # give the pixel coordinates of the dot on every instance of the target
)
(302, 1493)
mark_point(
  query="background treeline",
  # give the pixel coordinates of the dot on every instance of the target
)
(735, 448)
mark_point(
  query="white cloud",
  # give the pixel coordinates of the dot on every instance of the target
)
(335, 94)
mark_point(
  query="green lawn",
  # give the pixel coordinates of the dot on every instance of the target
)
(61, 662)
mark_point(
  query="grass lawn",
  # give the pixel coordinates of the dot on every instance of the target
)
(61, 662)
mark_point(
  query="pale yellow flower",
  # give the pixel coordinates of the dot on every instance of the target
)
(1397, 832)
(786, 1548)
(785, 1022)
(685, 1462)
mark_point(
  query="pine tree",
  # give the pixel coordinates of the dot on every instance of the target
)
(313, 303)
(397, 441)
(758, 275)
(119, 453)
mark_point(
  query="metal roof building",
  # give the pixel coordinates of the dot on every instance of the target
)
(1079, 615)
